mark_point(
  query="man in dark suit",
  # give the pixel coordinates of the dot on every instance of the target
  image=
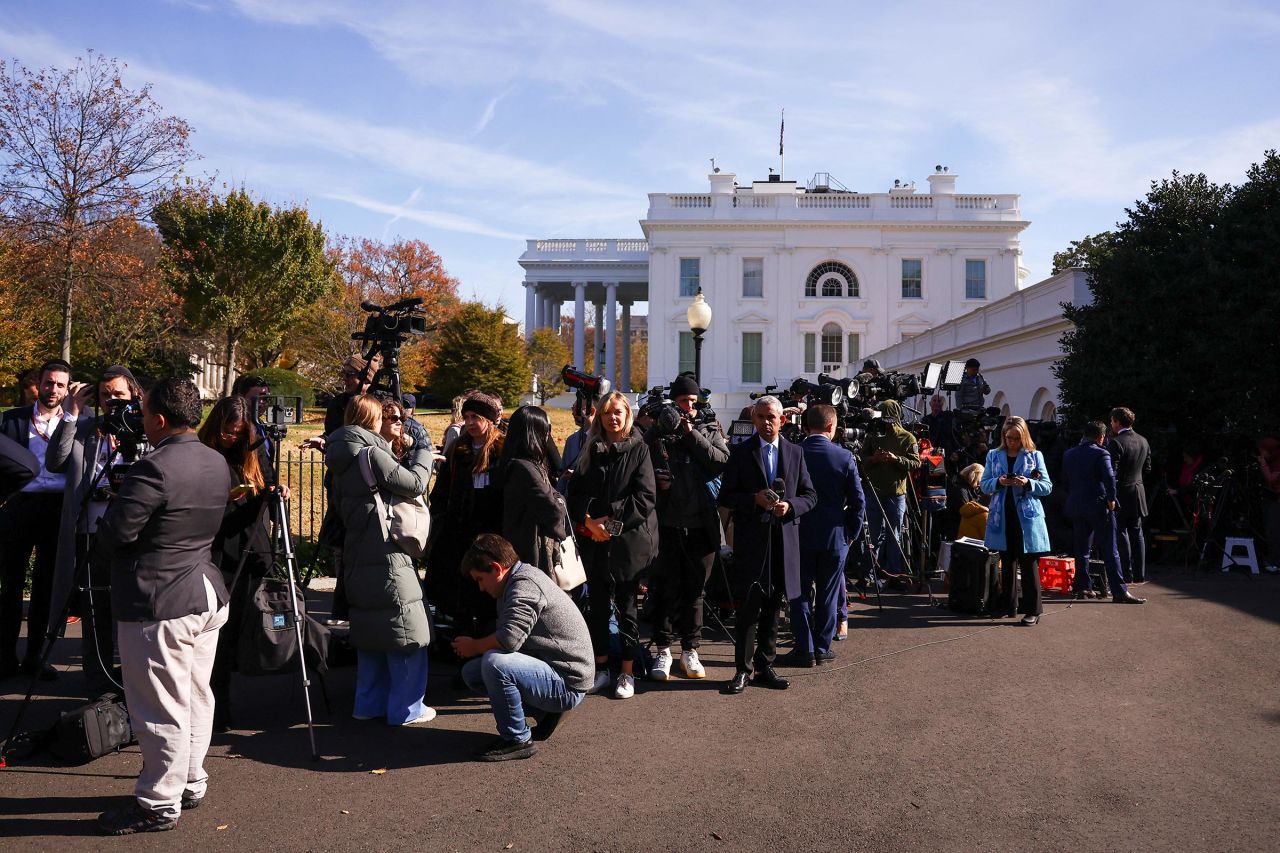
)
(1131, 459)
(169, 601)
(29, 522)
(1091, 502)
(825, 534)
(18, 466)
(766, 539)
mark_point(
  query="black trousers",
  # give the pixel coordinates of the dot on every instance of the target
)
(756, 630)
(685, 558)
(97, 628)
(1133, 548)
(29, 521)
(1029, 603)
(605, 592)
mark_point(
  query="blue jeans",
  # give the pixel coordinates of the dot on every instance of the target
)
(886, 538)
(814, 626)
(391, 685)
(511, 681)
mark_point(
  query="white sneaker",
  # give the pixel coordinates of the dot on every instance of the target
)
(626, 686)
(661, 670)
(601, 682)
(692, 666)
(428, 714)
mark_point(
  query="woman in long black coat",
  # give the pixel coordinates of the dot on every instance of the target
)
(612, 501)
(532, 510)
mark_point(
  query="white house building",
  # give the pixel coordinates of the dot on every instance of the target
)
(804, 280)
(1016, 339)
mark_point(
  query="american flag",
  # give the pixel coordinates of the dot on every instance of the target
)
(782, 129)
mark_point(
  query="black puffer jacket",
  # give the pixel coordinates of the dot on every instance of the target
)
(616, 480)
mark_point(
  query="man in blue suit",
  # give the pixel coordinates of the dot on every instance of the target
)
(825, 534)
(1091, 504)
(766, 485)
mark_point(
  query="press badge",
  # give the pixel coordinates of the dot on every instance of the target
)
(277, 621)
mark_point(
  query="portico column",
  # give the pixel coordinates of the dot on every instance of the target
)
(611, 332)
(580, 325)
(598, 355)
(626, 345)
(530, 310)
(539, 304)
(549, 312)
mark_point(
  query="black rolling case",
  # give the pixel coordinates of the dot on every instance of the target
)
(974, 571)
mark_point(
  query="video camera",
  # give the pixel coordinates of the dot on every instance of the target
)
(394, 323)
(276, 414)
(667, 416)
(586, 385)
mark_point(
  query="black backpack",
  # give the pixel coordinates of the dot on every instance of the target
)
(267, 644)
(91, 731)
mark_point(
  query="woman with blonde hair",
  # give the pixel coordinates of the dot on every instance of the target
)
(971, 503)
(1016, 478)
(466, 501)
(612, 503)
(389, 626)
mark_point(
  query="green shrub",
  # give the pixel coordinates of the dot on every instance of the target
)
(286, 383)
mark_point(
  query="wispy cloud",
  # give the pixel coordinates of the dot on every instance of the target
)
(434, 218)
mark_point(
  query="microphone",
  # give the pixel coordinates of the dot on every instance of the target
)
(370, 305)
(779, 486)
(410, 302)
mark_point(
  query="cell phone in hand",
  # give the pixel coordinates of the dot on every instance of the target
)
(613, 527)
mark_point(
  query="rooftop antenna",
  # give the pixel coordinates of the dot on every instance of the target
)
(714, 170)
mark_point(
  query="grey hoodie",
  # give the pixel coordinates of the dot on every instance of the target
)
(537, 618)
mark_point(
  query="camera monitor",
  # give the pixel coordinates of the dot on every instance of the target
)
(932, 376)
(740, 431)
(281, 411)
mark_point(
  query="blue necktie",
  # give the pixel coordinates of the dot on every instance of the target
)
(770, 466)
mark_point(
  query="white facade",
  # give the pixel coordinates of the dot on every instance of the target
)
(804, 281)
(1017, 339)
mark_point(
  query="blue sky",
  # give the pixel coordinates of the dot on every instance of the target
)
(476, 125)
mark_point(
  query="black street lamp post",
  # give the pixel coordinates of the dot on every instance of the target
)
(699, 317)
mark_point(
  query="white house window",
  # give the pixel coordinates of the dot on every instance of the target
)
(690, 276)
(975, 279)
(911, 279)
(686, 352)
(831, 278)
(854, 349)
(832, 343)
(752, 356)
(752, 278)
(810, 352)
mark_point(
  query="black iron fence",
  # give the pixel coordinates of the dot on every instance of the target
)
(303, 472)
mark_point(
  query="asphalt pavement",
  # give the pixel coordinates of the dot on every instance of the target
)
(1106, 727)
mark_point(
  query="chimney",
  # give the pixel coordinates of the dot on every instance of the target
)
(722, 183)
(942, 182)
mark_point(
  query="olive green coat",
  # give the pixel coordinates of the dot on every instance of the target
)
(387, 608)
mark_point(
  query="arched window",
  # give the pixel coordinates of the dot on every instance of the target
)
(1049, 412)
(832, 347)
(831, 278)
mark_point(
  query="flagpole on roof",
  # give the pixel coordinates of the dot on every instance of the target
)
(782, 129)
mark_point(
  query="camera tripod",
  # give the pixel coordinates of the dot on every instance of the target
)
(1231, 495)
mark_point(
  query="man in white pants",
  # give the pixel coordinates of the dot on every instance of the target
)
(169, 601)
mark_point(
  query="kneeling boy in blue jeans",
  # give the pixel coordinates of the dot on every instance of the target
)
(539, 655)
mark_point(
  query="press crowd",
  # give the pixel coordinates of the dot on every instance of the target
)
(174, 547)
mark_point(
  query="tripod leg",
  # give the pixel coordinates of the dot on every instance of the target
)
(280, 517)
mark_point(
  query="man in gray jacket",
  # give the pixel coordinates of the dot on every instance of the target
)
(539, 655)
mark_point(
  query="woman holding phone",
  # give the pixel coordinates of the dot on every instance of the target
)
(612, 503)
(1016, 478)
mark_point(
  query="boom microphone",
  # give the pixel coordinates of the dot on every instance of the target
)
(370, 305)
(410, 302)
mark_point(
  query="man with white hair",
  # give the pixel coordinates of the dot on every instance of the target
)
(767, 487)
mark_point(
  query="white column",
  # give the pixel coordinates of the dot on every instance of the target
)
(626, 345)
(579, 324)
(611, 332)
(598, 355)
(555, 316)
(530, 310)
(548, 312)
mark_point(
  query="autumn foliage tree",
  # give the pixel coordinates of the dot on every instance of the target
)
(547, 357)
(242, 267)
(79, 153)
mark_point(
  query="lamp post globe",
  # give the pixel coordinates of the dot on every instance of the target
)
(699, 317)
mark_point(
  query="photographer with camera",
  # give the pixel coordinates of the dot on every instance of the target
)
(29, 521)
(687, 464)
(85, 451)
(169, 602)
(889, 454)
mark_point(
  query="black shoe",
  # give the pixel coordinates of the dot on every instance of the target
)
(1128, 598)
(506, 750)
(825, 657)
(795, 659)
(1030, 620)
(190, 803)
(547, 724)
(766, 677)
(133, 818)
(738, 684)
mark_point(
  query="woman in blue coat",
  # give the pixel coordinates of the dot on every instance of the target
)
(1016, 478)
